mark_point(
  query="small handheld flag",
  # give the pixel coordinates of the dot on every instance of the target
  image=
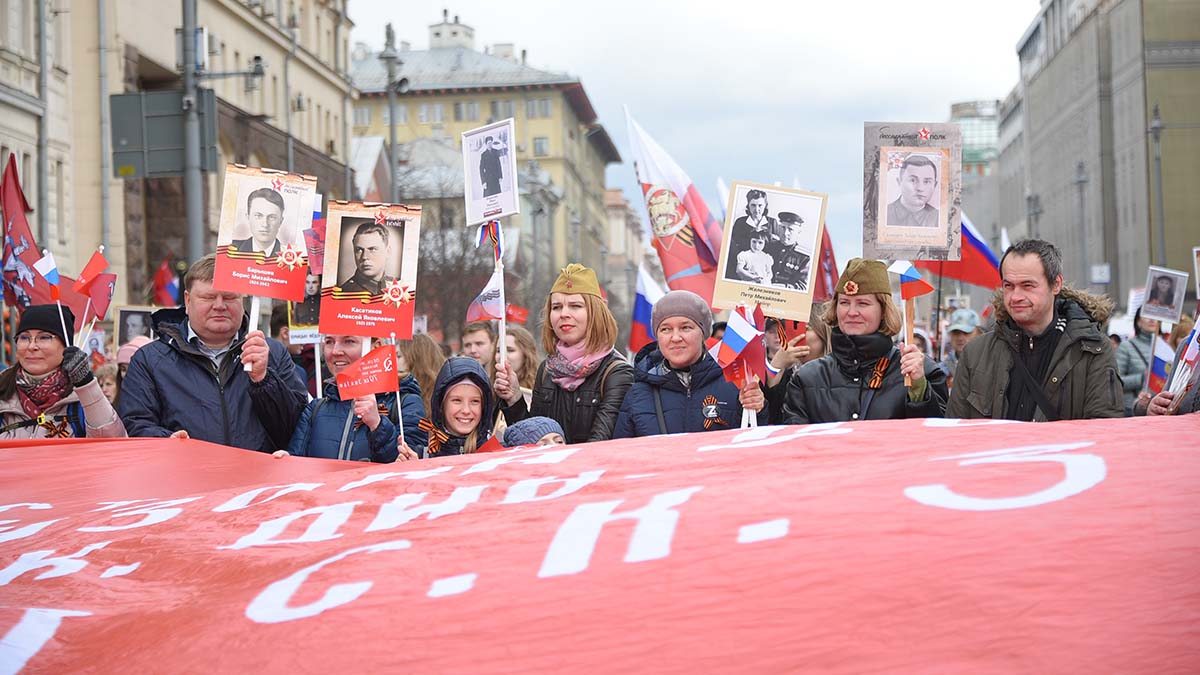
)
(489, 304)
(49, 271)
(911, 282)
(374, 373)
(1160, 365)
(97, 264)
(166, 285)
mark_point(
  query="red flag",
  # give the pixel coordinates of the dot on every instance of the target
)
(516, 313)
(166, 285)
(827, 270)
(492, 445)
(97, 264)
(374, 373)
(755, 353)
(20, 248)
(101, 292)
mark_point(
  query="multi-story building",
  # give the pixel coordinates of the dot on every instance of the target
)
(293, 116)
(624, 250)
(1011, 211)
(453, 88)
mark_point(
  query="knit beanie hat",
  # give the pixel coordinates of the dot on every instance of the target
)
(46, 318)
(685, 304)
(125, 353)
(864, 277)
(576, 278)
(530, 430)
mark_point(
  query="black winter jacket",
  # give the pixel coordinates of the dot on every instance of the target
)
(453, 370)
(171, 386)
(834, 387)
(708, 403)
(325, 421)
(587, 414)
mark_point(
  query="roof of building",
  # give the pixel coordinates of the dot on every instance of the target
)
(364, 157)
(429, 168)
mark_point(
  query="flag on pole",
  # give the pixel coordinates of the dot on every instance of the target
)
(101, 292)
(979, 266)
(166, 285)
(911, 282)
(97, 264)
(374, 373)
(1005, 242)
(648, 293)
(46, 267)
(489, 304)
(516, 313)
(723, 196)
(1160, 365)
(827, 270)
(739, 334)
(685, 233)
(20, 250)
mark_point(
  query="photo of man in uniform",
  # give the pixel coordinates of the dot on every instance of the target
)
(264, 211)
(791, 262)
(918, 185)
(133, 324)
(756, 222)
(372, 250)
(490, 169)
(308, 313)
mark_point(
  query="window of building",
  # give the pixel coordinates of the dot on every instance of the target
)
(431, 113)
(362, 116)
(541, 146)
(545, 107)
(466, 112)
(502, 109)
(537, 108)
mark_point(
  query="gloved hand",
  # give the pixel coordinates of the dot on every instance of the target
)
(78, 366)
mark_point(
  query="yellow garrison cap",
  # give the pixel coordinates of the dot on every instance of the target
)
(576, 278)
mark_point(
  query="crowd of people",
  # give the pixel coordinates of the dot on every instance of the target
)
(206, 376)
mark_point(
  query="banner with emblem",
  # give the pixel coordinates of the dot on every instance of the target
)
(369, 281)
(772, 241)
(260, 239)
(912, 191)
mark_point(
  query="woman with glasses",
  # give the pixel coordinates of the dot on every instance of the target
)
(51, 392)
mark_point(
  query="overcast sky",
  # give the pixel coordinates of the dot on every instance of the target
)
(755, 91)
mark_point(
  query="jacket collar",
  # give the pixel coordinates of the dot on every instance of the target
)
(854, 351)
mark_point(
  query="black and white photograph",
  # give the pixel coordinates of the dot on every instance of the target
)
(270, 210)
(369, 255)
(771, 241)
(490, 165)
(912, 206)
(95, 342)
(304, 317)
(130, 321)
(1165, 291)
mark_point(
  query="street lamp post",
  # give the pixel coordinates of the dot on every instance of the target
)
(1156, 127)
(1080, 181)
(391, 60)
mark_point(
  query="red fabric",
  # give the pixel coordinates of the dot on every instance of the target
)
(516, 313)
(1071, 547)
(95, 265)
(101, 293)
(374, 373)
(827, 270)
(163, 279)
(974, 268)
(17, 234)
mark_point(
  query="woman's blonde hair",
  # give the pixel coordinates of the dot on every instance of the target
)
(424, 359)
(601, 326)
(889, 322)
(818, 325)
(525, 344)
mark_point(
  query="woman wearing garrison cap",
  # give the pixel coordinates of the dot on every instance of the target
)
(582, 382)
(51, 391)
(863, 377)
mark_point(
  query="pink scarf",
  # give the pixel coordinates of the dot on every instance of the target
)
(568, 367)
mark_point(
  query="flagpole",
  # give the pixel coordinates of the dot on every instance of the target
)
(503, 347)
(87, 306)
(937, 313)
(255, 310)
(910, 310)
(399, 406)
(85, 335)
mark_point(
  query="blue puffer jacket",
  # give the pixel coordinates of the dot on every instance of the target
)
(452, 371)
(324, 420)
(710, 403)
(171, 386)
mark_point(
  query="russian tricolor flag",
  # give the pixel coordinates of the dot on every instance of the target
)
(911, 282)
(1160, 366)
(739, 334)
(979, 266)
(49, 271)
(648, 293)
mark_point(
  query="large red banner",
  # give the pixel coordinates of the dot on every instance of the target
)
(909, 546)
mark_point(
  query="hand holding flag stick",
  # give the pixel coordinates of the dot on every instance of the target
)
(399, 408)
(911, 286)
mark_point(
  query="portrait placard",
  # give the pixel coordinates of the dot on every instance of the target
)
(912, 184)
(260, 240)
(1165, 290)
(304, 317)
(1196, 269)
(369, 284)
(768, 254)
(130, 321)
(490, 167)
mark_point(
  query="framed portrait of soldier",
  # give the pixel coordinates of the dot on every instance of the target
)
(490, 170)
(304, 317)
(1165, 291)
(912, 205)
(369, 283)
(130, 321)
(769, 249)
(261, 247)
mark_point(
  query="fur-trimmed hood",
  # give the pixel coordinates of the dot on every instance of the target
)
(1096, 307)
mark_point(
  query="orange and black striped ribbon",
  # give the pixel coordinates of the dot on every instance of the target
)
(881, 367)
(436, 435)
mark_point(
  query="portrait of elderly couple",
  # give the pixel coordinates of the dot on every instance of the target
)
(773, 240)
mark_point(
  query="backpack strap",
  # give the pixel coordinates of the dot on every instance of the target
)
(612, 365)
(658, 410)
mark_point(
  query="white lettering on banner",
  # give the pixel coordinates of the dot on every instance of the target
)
(378, 477)
(247, 498)
(32, 632)
(527, 490)
(59, 567)
(271, 606)
(404, 508)
(329, 518)
(1083, 471)
(571, 550)
(547, 457)
(761, 436)
(952, 422)
(9, 532)
(156, 512)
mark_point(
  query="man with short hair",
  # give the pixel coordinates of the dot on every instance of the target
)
(491, 169)
(1047, 358)
(191, 381)
(791, 261)
(264, 211)
(918, 185)
(479, 343)
(964, 327)
(308, 312)
(371, 252)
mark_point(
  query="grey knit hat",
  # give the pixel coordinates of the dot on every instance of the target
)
(530, 430)
(685, 304)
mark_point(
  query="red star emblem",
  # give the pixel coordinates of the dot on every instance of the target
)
(277, 184)
(923, 133)
(380, 218)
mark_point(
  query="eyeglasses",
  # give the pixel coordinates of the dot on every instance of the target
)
(43, 340)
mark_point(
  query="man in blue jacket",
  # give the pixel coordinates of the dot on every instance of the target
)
(191, 381)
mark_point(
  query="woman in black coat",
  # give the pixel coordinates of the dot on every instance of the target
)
(678, 387)
(863, 377)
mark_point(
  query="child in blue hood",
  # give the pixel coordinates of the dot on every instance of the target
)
(460, 419)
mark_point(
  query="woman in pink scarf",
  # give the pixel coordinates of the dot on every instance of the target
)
(582, 383)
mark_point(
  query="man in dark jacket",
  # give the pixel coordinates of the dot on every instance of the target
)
(1047, 358)
(191, 382)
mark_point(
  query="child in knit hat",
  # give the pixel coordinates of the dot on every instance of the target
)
(534, 431)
